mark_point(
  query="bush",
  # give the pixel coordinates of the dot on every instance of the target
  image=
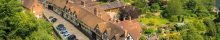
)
(149, 30)
(173, 28)
(171, 31)
(159, 30)
(163, 7)
(174, 19)
(166, 32)
(143, 37)
(155, 7)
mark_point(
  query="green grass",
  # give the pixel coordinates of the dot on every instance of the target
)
(155, 21)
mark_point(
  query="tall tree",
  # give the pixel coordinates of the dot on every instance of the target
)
(155, 7)
(127, 11)
(18, 24)
(174, 7)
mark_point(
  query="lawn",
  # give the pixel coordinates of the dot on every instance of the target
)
(155, 21)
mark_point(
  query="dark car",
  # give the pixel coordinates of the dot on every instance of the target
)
(50, 17)
(75, 39)
(71, 37)
(60, 27)
(53, 20)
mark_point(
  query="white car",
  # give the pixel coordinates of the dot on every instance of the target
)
(66, 35)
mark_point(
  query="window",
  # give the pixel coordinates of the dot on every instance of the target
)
(37, 5)
(39, 10)
(33, 11)
(40, 15)
(33, 6)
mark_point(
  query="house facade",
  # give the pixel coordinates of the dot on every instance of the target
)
(34, 7)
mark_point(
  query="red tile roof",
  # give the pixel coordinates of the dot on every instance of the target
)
(133, 27)
(28, 3)
(90, 6)
(59, 3)
(92, 21)
(105, 17)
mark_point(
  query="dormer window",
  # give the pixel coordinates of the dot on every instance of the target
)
(37, 5)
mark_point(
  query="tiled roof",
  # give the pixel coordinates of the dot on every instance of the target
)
(87, 18)
(133, 27)
(105, 17)
(92, 21)
(90, 6)
(28, 3)
(59, 3)
(112, 5)
(50, 1)
(111, 29)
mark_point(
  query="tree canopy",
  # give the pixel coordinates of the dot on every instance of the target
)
(17, 23)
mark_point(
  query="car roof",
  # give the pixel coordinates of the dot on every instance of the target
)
(71, 36)
(64, 31)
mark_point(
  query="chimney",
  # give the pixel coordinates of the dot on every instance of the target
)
(100, 15)
(124, 19)
(114, 20)
(84, 3)
(97, 13)
(126, 33)
(129, 18)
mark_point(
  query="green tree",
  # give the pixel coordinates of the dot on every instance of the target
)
(175, 37)
(149, 30)
(155, 7)
(159, 1)
(174, 9)
(211, 26)
(141, 5)
(18, 24)
(192, 4)
(159, 30)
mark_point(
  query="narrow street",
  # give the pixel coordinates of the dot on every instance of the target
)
(69, 27)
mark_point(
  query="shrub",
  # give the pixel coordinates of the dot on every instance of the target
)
(166, 32)
(164, 3)
(149, 30)
(143, 37)
(159, 30)
(173, 28)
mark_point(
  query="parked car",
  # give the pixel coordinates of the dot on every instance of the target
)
(75, 39)
(71, 37)
(60, 27)
(53, 20)
(50, 17)
(67, 35)
(63, 32)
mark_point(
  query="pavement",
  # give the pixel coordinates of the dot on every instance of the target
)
(69, 27)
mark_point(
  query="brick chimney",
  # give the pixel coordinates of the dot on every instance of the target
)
(100, 15)
(114, 20)
(129, 18)
(84, 3)
(126, 33)
(97, 13)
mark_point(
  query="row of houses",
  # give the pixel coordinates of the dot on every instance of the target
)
(92, 17)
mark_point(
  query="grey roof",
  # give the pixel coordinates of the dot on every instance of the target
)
(112, 5)
(180, 24)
